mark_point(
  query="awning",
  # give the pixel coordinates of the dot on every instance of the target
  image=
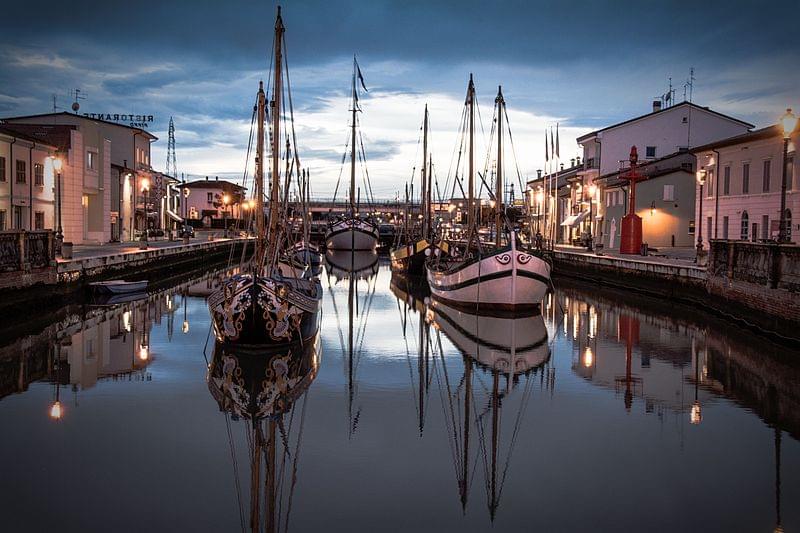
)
(574, 220)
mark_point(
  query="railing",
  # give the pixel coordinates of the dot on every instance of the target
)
(22, 250)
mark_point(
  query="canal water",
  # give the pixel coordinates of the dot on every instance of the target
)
(603, 413)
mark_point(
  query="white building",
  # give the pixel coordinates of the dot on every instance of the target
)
(26, 182)
(105, 166)
(742, 190)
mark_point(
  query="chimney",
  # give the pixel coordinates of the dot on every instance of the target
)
(572, 162)
(216, 178)
(578, 160)
(562, 166)
(539, 174)
(206, 178)
(656, 105)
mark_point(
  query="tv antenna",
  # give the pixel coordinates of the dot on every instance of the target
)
(76, 95)
(689, 85)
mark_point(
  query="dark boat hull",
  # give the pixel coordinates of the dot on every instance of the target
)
(409, 260)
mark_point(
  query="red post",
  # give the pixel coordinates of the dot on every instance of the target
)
(631, 236)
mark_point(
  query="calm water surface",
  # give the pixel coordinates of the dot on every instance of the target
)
(603, 413)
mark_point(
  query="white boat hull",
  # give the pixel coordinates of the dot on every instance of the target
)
(351, 234)
(508, 279)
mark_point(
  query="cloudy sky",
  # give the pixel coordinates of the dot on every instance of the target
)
(580, 64)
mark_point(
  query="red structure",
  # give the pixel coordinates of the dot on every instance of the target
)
(631, 235)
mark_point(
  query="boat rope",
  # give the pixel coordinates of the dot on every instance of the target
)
(235, 463)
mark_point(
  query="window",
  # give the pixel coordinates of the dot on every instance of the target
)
(669, 193)
(710, 183)
(725, 228)
(726, 181)
(746, 178)
(650, 152)
(765, 227)
(2, 219)
(38, 220)
(91, 160)
(21, 171)
(210, 197)
(754, 232)
(765, 186)
(38, 174)
(745, 225)
(2, 169)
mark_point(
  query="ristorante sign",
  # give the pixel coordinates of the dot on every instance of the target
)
(134, 121)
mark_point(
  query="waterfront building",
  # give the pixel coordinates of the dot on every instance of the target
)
(207, 200)
(742, 186)
(106, 172)
(26, 182)
(665, 201)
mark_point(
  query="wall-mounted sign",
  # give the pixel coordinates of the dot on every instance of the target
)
(134, 121)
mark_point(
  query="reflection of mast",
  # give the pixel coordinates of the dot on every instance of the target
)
(464, 481)
(350, 370)
(778, 523)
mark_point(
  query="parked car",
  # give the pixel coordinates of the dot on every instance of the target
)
(186, 231)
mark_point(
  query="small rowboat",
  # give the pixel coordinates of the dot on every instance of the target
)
(118, 286)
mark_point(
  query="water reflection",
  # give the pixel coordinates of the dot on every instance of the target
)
(261, 389)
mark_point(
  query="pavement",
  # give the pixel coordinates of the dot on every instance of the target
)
(678, 256)
(85, 251)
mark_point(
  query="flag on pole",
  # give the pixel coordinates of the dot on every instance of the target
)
(361, 77)
(552, 147)
(546, 153)
(558, 151)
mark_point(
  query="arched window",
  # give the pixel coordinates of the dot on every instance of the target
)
(745, 225)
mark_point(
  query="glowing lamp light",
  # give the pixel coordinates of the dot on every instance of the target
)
(588, 358)
(185, 328)
(56, 411)
(695, 415)
(143, 352)
(701, 176)
(226, 199)
(126, 321)
(57, 163)
(145, 184)
(789, 123)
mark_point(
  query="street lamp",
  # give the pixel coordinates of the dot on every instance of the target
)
(789, 124)
(701, 180)
(145, 194)
(57, 164)
(226, 199)
(592, 191)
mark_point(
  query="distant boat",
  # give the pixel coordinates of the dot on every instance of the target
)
(351, 231)
(118, 286)
(408, 256)
(489, 275)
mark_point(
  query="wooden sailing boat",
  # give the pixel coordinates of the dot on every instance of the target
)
(408, 259)
(351, 231)
(303, 251)
(497, 275)
(262, 392)
(270, 304)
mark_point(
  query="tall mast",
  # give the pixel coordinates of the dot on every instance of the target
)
(498, 189)
(424, 175)
(471, 199)
(261, 112)
(353, 145)
(276, 141)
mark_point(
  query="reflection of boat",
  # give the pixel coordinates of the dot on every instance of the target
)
(506, 344)
(272, 303)
(344, 264)
(262, 390)
(114, 299)
(510, 349)
(357, 314)
(118, 286)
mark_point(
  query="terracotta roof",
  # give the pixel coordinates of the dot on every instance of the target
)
(54, 135)
(26, 136)
(214, 184)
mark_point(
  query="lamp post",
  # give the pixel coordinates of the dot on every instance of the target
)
(57, 163)
(226, 200)
(184, 202)
(789, 124)
(701, 180)
(145, 194)
(592, 190)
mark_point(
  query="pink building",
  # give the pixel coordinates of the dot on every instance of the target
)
(205, 200)
(741, 196)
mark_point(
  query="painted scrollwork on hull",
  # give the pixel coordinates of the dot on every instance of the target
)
(503, 259)
(282, 318)
(524, 259)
